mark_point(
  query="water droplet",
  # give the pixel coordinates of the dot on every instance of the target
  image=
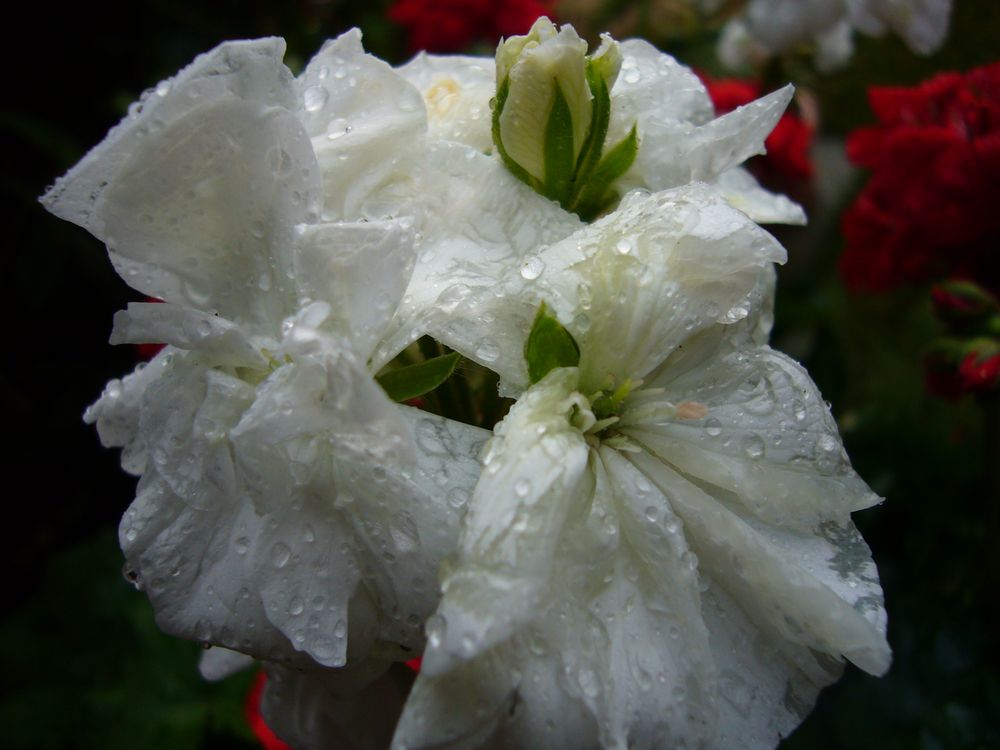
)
(315, 98)
(753, 445)
(163, 88)
(532, 268)
(436, 627)
(242, 544)
(624, 246)
(280, 554)
(338, 127)
(522, 487)
(713, 427)
(798, 410)
(296, 606)
(652, 514)
(632, 76)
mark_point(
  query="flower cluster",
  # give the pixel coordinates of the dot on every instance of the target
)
(653, 548)
(928, 210)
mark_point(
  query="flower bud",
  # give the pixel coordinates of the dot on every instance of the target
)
(551, 112)
(959, 301)
(539, 67)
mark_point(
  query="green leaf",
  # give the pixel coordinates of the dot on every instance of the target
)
(560, 161)
(594, 196)
(516, 169)
(549, 346)
(415, 380)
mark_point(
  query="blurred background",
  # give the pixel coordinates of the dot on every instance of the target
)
(81, 662)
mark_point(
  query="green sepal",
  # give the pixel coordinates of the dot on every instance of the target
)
(597, 193)
(559, 159)
(600, 117)
(411, 381)
(497, 104)
(549, 346)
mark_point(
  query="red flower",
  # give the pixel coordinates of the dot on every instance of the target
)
(268, 739)
(787, 145)
(455, 25)
(930, 206)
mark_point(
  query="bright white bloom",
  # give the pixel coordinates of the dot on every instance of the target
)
(659, 552)
(286, 508)
(477, 221)
(769, 27)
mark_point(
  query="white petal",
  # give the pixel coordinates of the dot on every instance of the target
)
(791, 584)
(457, 92)
(534, 471)
(745, 193)
(360, 269)
(765, 435)
(765, 688)
(197, 203)
(654, 86)
(116, 413)
(634, 285)
(364, 119)
(194, 566)
(673, 152)
(218, 339)
(218, 663)
(250, 71)
(477, 223)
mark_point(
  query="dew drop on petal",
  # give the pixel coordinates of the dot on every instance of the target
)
(532, 268)
(713, 427)
(314, 98)
(280, 554)
(753, 445)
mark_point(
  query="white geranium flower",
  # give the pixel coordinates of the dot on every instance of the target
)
(769, 27)
(659, 552)
(477, 221)
(286, 508)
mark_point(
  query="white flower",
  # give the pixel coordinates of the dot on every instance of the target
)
(769, 27)
(286, 508)
(477, 221)
(659, 552)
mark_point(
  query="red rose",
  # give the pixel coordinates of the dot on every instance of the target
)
(929, 208)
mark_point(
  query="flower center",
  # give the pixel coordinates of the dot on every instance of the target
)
(441, 97)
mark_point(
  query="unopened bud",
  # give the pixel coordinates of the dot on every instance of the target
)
(551, 114)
